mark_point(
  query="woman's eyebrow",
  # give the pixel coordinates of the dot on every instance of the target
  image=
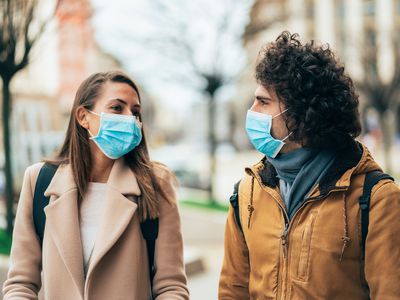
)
(119, 100)
(125, 102)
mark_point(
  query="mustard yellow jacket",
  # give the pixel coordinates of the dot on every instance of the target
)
(319, 256)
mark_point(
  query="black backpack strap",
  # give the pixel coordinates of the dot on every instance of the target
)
(39, 200)
(150, 233)
(234, 200)
(371, 179)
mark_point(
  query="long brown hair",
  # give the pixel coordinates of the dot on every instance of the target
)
(76, 150)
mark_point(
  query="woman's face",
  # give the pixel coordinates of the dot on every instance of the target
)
(114, 98)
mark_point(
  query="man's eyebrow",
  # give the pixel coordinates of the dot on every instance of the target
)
(262, 98)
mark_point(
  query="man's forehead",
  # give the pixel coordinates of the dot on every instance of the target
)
(262, 92)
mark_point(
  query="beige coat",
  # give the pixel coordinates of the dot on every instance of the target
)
(119, 263)
(320, 257)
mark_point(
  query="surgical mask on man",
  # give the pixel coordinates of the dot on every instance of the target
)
(258, 127)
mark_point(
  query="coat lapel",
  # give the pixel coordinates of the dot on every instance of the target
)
(116, 217)
(118, 211)
(62, 217)
(62, 222)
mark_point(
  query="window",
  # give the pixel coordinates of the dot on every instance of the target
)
(310, 9)
(339, 9)
(369, 7)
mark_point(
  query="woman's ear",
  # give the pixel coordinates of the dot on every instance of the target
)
(81, 116)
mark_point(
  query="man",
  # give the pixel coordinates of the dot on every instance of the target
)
(297, 230)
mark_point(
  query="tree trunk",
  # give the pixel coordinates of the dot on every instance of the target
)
(7, 156)
(212, 146)
(386, 124)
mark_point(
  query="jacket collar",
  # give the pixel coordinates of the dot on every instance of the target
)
(346, 161)
(338, 175)
(121, 179)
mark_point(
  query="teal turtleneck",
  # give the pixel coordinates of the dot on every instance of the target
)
(299, 171)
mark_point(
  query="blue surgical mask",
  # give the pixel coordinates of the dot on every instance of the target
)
(118, 134)
(258, 127)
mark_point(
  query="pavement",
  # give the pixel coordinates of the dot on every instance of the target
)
(203, 232)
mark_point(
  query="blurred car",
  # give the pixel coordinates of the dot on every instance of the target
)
(188, 162)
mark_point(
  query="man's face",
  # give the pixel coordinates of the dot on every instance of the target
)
(267, 102)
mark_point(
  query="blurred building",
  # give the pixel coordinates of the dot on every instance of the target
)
(345, 24)
(43, 93)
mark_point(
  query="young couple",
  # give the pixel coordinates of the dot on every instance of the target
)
(100, 221)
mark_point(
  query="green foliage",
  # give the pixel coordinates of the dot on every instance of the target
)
(204, 204)
(5, 242)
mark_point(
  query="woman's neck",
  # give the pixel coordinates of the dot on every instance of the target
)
(101, 166)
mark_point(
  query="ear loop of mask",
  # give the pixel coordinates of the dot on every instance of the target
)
(287, 136)
(95, 113)
(282, 112)
(92, 112)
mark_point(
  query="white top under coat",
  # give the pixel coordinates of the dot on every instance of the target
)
(91, 210)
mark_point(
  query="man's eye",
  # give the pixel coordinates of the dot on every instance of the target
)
(262, 102)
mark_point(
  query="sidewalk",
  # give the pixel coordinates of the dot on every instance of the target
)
(203, 230)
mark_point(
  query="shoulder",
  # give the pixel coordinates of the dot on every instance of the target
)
(28, 185)
(163, 173)
(166, 181)
(32, 172)
(385, 199)
(35, 168)
(386, 189)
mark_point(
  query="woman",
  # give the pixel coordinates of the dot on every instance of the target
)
(105, 186)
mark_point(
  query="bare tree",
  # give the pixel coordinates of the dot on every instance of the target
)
(18, 34)
(214, 73)
(382, 95)
(199, 45)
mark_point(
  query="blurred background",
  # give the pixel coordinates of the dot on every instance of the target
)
(194, 62)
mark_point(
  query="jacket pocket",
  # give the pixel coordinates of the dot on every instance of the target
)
(302, 271)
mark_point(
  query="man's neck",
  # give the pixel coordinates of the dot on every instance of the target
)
(290, 146)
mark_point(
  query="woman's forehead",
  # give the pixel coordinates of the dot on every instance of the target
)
(119, 91)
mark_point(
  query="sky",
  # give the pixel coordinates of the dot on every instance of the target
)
(145, 36)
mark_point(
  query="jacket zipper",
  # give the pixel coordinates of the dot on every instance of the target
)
(283, 237)
(284, 240)
(281, 294)
(286, 232)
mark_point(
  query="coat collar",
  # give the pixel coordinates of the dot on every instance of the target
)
(338, 175)
(121, 179)
(62, 217)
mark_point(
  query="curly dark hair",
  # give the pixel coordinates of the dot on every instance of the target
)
(321, 99)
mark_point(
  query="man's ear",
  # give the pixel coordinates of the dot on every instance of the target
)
(81, 116)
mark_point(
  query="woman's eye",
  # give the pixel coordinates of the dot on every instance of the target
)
(117, 108)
